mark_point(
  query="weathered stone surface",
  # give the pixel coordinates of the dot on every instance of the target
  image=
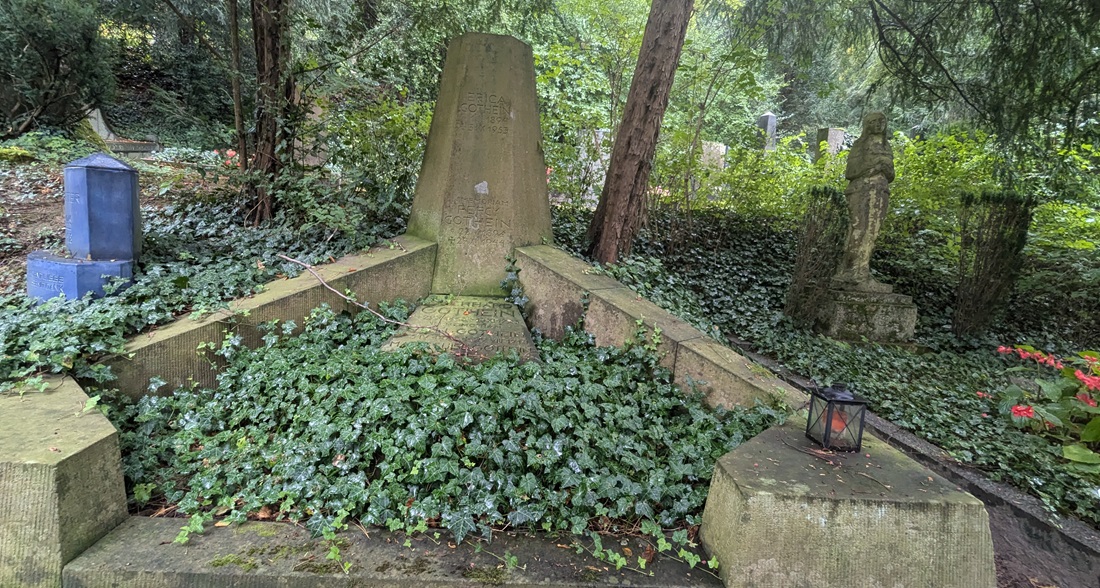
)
(778, 516)
(615, 314)
(727, 378)
(851, 316)
(482, 188)
(473, 327)
(382, 274)
(870, 171)
(556, 284)
(833, 139)
(61, 483)
(140, 554)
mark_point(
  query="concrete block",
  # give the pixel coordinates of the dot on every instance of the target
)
(779, 515)
(555, 282)
(61, 485)
(727, 378)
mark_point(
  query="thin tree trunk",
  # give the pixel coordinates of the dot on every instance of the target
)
(269, 22)
(235, 84)
(621, 209)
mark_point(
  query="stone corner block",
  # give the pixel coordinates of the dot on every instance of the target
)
(729, 379)
(61, 485)
(776, 515)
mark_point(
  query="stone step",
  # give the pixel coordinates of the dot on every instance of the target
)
(140, 554)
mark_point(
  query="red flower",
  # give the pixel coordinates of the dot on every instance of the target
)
(1003, 349)
(1023, 411)
(983, 394)
(1090, 382)
(1084, 397)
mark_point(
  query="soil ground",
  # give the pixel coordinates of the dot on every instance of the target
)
(32, 218)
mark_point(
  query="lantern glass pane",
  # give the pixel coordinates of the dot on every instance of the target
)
(815, 428)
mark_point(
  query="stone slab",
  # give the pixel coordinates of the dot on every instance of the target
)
(779, 514)
(556, 285)
(728, 379)
(140, 554)
(61, 485)
(615, 314)
(401, 269)
(482, 188)
(473, 327)
(852, 316)
(49, 276)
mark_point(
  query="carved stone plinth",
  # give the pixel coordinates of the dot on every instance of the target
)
(878, 316)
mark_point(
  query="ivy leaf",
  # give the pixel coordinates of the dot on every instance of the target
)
(524, 514)
(459, 524)
(1091, 432)
(1080, 454)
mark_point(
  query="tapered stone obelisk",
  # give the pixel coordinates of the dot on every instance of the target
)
(482, 187)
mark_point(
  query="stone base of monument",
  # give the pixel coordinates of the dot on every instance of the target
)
(474, 327)
(877, 316)
(49, 275)
(781, 513)
(61, 486)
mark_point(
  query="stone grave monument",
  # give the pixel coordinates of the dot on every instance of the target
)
(856, 305)
(766, 124)
(481, 193)
(102, 231)
(833, 138)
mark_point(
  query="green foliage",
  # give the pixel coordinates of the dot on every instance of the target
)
(820, 246)
(994, 231)
(195, 256)
(50, 145)
(1064, 409)
(737, 270)
(53, 64)
(325, 422)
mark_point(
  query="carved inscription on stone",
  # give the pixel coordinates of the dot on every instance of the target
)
(46, 281)
(485, 112)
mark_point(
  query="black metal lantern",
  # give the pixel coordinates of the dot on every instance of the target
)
(836, 418)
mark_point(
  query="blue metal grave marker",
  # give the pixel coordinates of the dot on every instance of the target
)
(102, 215)
(102, 231)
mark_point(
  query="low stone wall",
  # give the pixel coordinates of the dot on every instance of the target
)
(403, 271)
(557, 283)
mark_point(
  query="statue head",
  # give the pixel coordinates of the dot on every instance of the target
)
(874, 124)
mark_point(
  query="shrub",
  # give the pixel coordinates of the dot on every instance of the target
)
(53, 64)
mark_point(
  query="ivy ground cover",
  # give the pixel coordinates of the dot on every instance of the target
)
(732, 273)
(324, 427)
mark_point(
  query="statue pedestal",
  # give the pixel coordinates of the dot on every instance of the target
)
(878, 316)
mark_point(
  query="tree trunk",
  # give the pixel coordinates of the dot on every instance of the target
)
(622, 203)
(269, 23)
(235, 65)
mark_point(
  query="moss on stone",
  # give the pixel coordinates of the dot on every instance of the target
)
(233, 559)
(486, 575)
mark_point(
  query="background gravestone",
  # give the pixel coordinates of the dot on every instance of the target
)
(834, 138)
(102, 231)
(766, 124)
(482, 187)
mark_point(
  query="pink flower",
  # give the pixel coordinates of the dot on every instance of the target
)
(1003, 349)
(1084, 397)
(1023, 411)
(983, 395)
